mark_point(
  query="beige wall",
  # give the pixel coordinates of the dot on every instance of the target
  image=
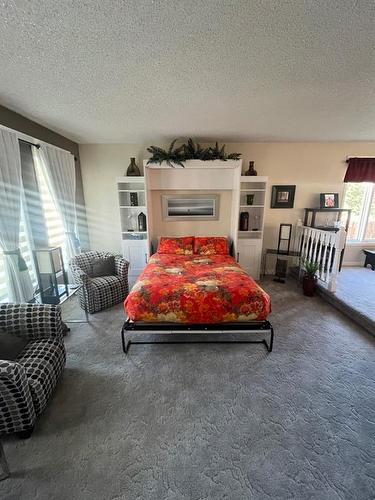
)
(101, 164)
(313, 167)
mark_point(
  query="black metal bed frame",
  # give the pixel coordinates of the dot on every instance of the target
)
(196, 330)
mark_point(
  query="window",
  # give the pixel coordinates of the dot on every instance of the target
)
(25, 248)
(3, 288)
(360, 198)
(50, 219)
(55, 229)
(370, 226)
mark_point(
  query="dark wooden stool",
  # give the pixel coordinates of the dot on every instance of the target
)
(370, 258)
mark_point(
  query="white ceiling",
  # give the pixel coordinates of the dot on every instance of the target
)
(151, 70)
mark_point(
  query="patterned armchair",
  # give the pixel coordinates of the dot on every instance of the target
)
(27, 383)
(102, 292)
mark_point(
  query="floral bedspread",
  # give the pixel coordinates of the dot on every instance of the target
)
(196, 289)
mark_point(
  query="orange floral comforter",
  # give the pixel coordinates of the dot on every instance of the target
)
(196, 289)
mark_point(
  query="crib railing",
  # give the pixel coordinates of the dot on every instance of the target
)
(325, 248)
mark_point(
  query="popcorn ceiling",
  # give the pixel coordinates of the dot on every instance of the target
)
(143, 71)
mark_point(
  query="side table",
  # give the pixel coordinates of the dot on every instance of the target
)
(273, 251)
(72, 290)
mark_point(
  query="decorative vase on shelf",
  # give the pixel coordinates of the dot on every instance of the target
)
(244, 221)
(249, 199)
(251, 170)
(133, 170)
(142, 226)
(256, 223)
(133, 199)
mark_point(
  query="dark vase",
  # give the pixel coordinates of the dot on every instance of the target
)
(251, 170)
(142, 226)
(309, 285)
(133, 199)
(133, 170)
(249, 199)
(244, 221)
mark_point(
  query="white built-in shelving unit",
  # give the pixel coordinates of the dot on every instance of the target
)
(250, 242)
(196, 176)
(134, 243)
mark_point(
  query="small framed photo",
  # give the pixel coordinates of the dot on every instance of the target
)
(283, 196)
(329, 200)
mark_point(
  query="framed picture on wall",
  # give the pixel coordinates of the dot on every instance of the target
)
(283, 196)
(190, 207)
(329, 200)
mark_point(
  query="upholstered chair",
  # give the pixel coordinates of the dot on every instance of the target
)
(99, 292)
(28, 380)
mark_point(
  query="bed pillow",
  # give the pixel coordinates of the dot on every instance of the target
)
(176, 246)
(103, 267)
(211, 245)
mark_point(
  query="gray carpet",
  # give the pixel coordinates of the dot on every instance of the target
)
(355, 295)
(209, 421)
(356, 287)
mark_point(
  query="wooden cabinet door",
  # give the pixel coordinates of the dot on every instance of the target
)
(136, 252)
(249, 255)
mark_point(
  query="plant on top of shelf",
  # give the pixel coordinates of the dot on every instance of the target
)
(195, 152)
(189, 151)
(170, 156)
(217, 153)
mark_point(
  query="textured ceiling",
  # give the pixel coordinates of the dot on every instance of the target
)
(143, 70)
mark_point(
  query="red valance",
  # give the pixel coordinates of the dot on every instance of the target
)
(360, 170)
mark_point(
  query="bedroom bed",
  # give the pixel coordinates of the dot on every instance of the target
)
(192, 288)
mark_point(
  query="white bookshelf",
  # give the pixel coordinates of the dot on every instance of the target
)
(134, 242)
(250, 242)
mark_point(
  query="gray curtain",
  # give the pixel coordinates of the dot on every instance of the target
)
(59, 169)
(19, 284)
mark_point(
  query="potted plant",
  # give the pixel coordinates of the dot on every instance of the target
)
(310, 279)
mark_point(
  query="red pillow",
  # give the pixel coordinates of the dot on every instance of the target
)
(177, 246)
(211, 245)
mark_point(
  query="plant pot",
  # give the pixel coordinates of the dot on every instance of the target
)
(309, 285)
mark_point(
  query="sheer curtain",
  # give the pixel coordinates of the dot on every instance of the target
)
(20, 288)
(59, 170)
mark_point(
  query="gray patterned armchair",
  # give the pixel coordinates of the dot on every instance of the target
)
(98, 293)
(27, 382)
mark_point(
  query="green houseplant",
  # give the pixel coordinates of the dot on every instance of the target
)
(189, 151)
(171, 155)
(310, 279)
